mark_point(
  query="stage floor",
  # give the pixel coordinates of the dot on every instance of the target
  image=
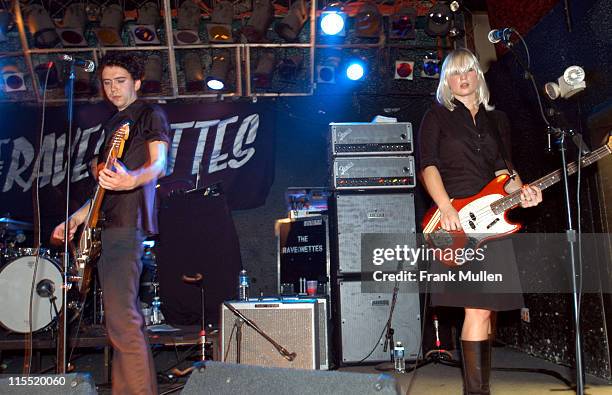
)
(173, 350)
(438, 379)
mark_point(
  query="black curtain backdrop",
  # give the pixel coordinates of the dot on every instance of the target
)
(203, 240)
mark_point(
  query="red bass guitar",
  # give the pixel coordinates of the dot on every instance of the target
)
(483, 216)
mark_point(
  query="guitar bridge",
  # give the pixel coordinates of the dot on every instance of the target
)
(441, 238)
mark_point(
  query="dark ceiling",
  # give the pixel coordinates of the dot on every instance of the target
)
(476, 5)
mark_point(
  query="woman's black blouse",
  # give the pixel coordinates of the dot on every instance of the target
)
(466, 155)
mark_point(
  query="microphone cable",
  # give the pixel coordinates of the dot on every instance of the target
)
(27, 360)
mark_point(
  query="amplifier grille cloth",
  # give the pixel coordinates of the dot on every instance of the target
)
(291, 328)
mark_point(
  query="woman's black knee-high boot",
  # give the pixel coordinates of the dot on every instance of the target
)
(476, 358)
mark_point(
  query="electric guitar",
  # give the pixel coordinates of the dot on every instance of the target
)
(90, 245)
(483, 216)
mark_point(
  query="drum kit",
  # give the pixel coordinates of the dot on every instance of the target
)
(17, 284)
(19, 290)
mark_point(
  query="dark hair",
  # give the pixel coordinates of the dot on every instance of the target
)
(129, 61)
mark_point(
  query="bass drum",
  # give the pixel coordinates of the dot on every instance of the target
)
(15, 285)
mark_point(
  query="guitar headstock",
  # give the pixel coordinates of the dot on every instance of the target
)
(609, 144)
(120, 136)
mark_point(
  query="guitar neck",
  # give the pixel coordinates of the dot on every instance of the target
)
(96, 203)
(548, 180)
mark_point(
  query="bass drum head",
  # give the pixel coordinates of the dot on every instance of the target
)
(15, 286)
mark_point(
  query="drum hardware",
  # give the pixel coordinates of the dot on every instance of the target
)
(46, 289)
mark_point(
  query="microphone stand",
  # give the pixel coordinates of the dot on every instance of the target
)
(281, 350)
(62, 329)
(570, 231)
(239, 321)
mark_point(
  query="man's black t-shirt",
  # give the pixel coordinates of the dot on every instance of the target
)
(467, 155)
(135, 208)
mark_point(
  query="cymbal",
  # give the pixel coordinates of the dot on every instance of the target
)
(11, 224)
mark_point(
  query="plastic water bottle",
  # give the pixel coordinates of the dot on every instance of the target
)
(398, 358)
(243, 286)
(156, 314)
(156, 317)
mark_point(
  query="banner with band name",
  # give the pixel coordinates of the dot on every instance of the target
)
(227, 143)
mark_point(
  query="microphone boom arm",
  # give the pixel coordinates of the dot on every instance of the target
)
(282, 350)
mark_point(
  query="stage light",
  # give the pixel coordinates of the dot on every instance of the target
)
(109, 32)
(326, 72)
(570, 83)
(262, 76)
(333, 23)
(431, 66)
(188, 24)
(368, 21)
(455, 5)
(151, 82)
(355, 70)
(143, 32)
(217, 78)
(291, 25)
(288, 67)
(53, 81)
(439, 19)
(12, 78)
(259, 22)
(148, 14)
(41, 26)
(220, 27)
(194, 72)
(404, 70)
(402, 24)
(73, 26)
(6, 24)
(455, 32)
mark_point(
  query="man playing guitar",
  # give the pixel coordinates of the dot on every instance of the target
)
(128, 209)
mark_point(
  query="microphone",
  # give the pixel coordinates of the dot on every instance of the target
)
(87, 65)
(497, 35)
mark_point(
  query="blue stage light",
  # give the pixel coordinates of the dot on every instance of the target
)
(355, 71)
(333, 23)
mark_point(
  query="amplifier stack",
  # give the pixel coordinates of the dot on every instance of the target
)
(372, 174)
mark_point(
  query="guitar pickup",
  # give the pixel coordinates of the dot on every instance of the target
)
(496, 220)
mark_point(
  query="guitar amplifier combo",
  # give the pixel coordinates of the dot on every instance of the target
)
(373, 172)
(354, 139)
(295, 324)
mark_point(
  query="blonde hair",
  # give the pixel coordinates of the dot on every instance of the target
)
(460, 61)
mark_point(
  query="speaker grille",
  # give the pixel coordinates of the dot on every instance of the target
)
(381, 213)
(364, 315)
(292, 325)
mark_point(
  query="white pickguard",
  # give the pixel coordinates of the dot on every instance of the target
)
(477, 218)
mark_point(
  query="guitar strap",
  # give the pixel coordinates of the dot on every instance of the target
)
(493, 125)
(500, 143)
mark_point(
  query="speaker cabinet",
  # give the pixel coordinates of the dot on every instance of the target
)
(294, 324)
(49, 384)
(214, 378)
(364, 315)
(370, 213)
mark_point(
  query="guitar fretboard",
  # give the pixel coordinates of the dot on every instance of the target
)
(514, 199)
